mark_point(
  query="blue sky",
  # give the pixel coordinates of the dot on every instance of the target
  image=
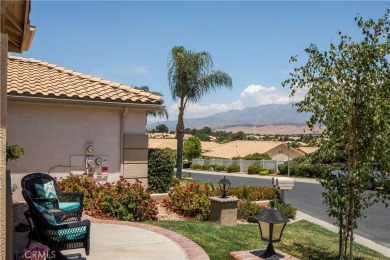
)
(129, 42)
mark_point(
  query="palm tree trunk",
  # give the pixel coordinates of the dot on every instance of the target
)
(179, 136)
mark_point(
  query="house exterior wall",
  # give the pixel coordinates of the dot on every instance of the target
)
(51, 133)
(280, 153)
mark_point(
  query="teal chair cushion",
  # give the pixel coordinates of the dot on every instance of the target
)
(46, 190)
(72, 233)
(46, 213)
(68, 205)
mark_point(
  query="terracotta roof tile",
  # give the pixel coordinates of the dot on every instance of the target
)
(29, 77)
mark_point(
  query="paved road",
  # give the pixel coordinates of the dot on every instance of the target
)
(308, 199)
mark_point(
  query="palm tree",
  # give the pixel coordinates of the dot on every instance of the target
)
(162, 112)
(191, 77)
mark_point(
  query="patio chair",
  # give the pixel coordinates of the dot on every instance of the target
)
(46, 192)
(58, 230)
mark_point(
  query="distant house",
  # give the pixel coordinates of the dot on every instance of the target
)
(275, 149)
(57, 114)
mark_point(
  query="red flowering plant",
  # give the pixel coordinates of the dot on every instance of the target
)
(117, 200)
(190, 200)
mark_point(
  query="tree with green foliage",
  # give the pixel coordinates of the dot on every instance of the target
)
(348, 92)
(162, 128)
(191, 77)
(161, 169)
(192, 148)
(162, 113)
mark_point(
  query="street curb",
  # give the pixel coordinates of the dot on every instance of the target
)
(358, 239)
(245, 175)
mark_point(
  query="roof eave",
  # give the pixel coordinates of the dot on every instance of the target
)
(148, 107)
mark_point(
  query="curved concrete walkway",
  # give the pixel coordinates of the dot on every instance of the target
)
(123, 240)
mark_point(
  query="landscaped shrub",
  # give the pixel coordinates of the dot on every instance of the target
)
(118, 200)
(124, 201)
(195, 166)
(264, 172)
(205, 167)
(286, 208)
(212, 167)
(233, 168)
(161, 169)
(304, 169)
(254, 169)
(282, 169)
(186, 165)
(248, 210)
(81, 183)
(271, 171)
(220, 168)
(190, 200)
(253, 192)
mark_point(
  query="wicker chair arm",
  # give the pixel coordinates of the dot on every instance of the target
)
(67, 215)
(75, 224)
(53, 201)
(71, 196)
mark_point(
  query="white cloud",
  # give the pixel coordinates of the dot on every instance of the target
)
(253, 95)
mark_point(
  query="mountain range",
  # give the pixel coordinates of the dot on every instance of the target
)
(251, 118)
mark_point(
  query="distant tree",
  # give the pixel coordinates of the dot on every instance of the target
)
(162, 113)
(207, 130)
(162, 128)
(191, 77)
(240, 135)
(192, 148)
(348, 92)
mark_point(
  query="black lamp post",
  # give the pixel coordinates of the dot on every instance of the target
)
(224, 185)
(271, 223)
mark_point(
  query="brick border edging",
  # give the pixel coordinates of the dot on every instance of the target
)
(191, 249)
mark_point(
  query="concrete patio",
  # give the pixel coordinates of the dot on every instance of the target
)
(128, 240)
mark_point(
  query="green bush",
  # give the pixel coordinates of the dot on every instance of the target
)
(212, 167)
(117, 200)
(186, 165)
(254, 169)
(190, 200)
(286, 208)
(282, 169)
(264, 172)
(195, 166)
(304, 169)
(253, 193)
(233, 168)
(161, 169)
(220, 168)
(248, 210)
(80, 183)
(271, 171)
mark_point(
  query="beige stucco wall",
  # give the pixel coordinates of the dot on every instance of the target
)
(51, 133)
(275, 155)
